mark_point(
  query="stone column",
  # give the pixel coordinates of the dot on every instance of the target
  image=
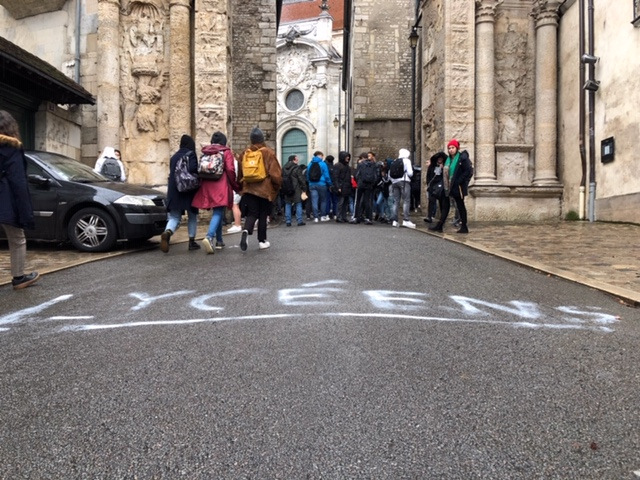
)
(485, 168)
(322, 96)
(211, 69)
(180, 97)
(108, 74)
(545, 13)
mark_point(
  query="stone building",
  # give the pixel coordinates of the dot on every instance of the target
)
(505, 77)
(502, 76)
(378, 82)
(156, 68)
(309, 61)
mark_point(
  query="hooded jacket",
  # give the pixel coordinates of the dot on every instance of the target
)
(218, 193)
(176, 200)
(110, 152)
(342, 174)
(408, 168)
(15, 202)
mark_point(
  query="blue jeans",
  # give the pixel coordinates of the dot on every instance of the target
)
(173, 221)
(318, 199)
(382, 206)
(215, 225)
(287, 212)
(332, 203)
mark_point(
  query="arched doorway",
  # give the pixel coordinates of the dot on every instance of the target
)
(295, 142)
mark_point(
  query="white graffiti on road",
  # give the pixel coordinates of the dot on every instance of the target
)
(327, 295)
(28, 313)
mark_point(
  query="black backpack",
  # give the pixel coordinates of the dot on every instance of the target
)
(397, 168)
(111, 169)
(288, 188)
(315, 172)
(368, 175)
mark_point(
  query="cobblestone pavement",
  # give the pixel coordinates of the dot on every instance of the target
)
(605, 256)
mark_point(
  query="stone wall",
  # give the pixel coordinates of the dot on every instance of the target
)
(382, 76)
(253, 58)
(514, 94)
(433, 64)
(616, 42)
(158, 69)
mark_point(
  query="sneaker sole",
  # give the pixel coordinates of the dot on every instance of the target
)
(207, 246)
(243, 241)
(27, 283)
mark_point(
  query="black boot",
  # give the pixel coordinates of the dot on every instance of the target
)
(436, 228)
(165, 239)
(463, 229)
(193, 245)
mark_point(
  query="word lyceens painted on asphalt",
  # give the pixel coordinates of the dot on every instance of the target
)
(331, 294)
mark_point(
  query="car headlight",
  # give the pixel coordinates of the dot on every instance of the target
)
(134, 200)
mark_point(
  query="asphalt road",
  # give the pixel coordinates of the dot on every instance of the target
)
(341, 352)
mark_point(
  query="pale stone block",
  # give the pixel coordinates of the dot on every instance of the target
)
(514, 168)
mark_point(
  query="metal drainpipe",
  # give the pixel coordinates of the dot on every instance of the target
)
(76, 71)
(592, 106)
(583, 153)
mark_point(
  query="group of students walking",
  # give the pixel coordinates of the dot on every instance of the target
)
(370, 191)
(219, 194)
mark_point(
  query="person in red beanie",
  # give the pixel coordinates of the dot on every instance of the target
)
(457, 175)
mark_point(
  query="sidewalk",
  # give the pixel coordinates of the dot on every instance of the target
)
(604, 256)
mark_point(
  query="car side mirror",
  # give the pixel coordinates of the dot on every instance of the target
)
(39, 180)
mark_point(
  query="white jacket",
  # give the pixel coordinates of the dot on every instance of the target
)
(408, 167)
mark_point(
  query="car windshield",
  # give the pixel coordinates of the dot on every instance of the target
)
(70, 169)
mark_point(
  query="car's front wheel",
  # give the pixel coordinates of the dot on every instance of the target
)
(92, 230)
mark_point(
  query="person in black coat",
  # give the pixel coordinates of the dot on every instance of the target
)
(16, 211)
(342, 174)
(457, 175)
(435, 185)
(178, 202)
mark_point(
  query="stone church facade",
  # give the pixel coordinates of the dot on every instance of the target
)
(157, 69)
(502, 76)
(309, 63)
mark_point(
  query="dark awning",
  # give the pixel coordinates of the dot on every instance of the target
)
(37, 78)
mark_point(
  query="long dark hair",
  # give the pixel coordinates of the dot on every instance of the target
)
(8, 125)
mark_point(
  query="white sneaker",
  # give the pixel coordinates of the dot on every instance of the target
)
(316, 220)
(408, 224)
(325, 218)
(234, 229)
(264, 245)
(394, 224)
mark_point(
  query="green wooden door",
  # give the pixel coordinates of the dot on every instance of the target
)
(295, 142)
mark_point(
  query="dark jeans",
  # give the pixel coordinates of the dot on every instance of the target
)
(257, 208)
(364, 203)
(445, 206)
(343, 208)
(433, 205)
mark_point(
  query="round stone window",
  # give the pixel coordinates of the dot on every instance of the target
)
(294, 100)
